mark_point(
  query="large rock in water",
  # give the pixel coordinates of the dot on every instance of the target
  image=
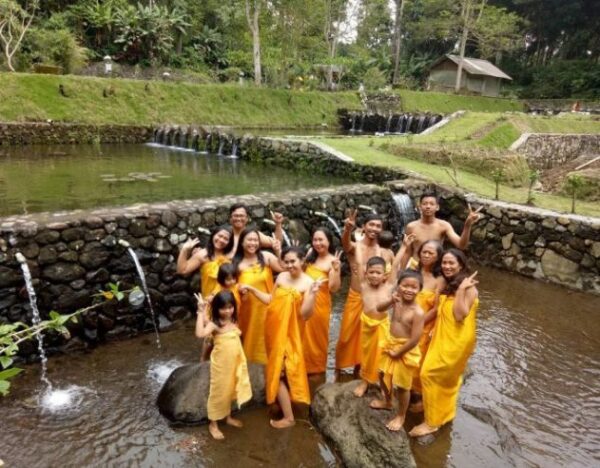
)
(183, 397)
(357, 432)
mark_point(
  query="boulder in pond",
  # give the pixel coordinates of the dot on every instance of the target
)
(183, 397)
(357, 432)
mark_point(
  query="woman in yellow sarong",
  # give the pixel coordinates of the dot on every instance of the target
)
(292, 302)
(452, 344)
(229, 380)
(322, 263)
(254, 268)
(430, 256)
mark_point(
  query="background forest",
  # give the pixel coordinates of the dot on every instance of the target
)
(550, 47)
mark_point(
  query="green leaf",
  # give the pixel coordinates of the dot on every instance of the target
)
(5, 361)
(10, 373)
(54, 315)
(4, 387)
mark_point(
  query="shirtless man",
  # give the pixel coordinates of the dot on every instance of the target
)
(428, 227)
(348, 348)
(238, 218)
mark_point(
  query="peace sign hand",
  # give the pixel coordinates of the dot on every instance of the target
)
(350, 221)
(408, 239)
(469, 282)
(276, 245)
(473, 215)
(336, 263)
(277, 217)
(202, 304)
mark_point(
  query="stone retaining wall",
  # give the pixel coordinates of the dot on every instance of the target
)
(72, 256)
(29, 133)
(547, 150)
(559, 248)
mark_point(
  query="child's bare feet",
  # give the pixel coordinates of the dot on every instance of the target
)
(282, 423)
(380, 404)
(396, 423)
(213, 428)
(422, 430)
(234, 422)
(416, 407)
(361, 389)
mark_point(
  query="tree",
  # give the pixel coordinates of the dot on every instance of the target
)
(573, 184)
(252, 15)
(397, 42)
(14, 23)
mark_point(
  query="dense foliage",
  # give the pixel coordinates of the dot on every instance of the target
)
(550, 47)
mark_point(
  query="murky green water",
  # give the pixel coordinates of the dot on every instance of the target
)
(531, 398)
(56, 178)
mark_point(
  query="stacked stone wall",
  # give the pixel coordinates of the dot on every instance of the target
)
(548, 150)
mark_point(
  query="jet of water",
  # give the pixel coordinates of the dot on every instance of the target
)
(331, 221)
(286, 237)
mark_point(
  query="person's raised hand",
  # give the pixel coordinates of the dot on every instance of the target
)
(336, 263)
(473, 215)
(469, 282)
(277, 217)
(190, 244)
(350, 221)
(408, 239)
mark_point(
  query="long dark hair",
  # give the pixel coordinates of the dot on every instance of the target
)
(225, 271)
(222, 299)
(312, 256)
(210, 248)
(299, 251)
(239, 252)
(436, 269)
(453, 282)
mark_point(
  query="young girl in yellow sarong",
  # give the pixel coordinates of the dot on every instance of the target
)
(401, 355)
(451, 345)
(322, 263)
(229, 380)
(254, 268)
(430, 256)
(291, 303)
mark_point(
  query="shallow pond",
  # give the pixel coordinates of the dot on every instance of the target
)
(56, 178)
(531, 398)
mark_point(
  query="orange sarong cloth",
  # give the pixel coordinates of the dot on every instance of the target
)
(208, 275)
(373, 336)
(425, 299)
(316, 330)
(251, 316)
(399, 372)
(347, 351)
(284, 346)
(441, 375)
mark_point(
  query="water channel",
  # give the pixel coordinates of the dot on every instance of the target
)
(531, 398)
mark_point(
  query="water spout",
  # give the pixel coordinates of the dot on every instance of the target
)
(36, 316)
(233, 154)
(286, 237)
(331, 221)
(405, 210)
(353, 125)
(367, 208)
(142, 277)
(203, 230)
(221, 144)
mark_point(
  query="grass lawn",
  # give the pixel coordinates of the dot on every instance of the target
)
(446, 103)
(361, 152)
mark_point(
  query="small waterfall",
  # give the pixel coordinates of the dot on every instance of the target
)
(208, 142)
(420, 124)
(36, 317)
(408, 123)
(331, 221)
(221, 144)
(361, 122)
(401, 124)
(404, 209)
(353, 126)
(234, 148)
(388, 124)
(142, 277)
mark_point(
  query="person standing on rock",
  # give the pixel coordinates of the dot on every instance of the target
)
(255, 268)
(229, 379)
(322, 263)
(348, 350)
(428, 227)
(400, 356)
(238, 218)
(452, 344)
(292, 303)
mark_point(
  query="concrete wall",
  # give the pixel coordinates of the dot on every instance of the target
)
(547, 150)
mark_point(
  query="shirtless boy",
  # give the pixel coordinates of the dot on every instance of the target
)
(428, 227)
(347, 353)
(401, 355)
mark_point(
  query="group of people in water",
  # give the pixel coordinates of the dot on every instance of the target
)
(408, 324)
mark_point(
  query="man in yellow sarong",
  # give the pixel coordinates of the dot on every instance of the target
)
(348, 350)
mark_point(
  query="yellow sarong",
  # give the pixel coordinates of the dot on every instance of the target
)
(347, 351)
(413, 264)
(251, 316)
(399, 373)
(315, 340)
(284, 346)
(208, 275)
(425, 299)
(229, 380)
(373, 336)
(441, 375)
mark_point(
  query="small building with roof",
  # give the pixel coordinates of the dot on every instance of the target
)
(479, 76)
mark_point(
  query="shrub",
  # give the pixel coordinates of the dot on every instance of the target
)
(53, 47)
(374, 79)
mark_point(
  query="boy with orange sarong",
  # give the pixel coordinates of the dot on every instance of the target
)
(451, 346)
(292, 301)
(348, 350)
(401, 355)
